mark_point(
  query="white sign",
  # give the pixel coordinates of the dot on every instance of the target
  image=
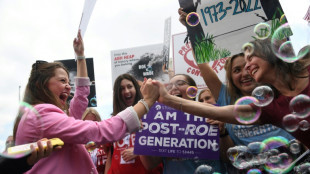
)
(184, 62)
(145, 61)
(87, 11)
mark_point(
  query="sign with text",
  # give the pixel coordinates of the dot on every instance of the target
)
(184, 62)
(145, 61)
(168, 132)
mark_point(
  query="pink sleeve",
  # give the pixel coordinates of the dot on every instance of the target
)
(79, 102)
(56, 124)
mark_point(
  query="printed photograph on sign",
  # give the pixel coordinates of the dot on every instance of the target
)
(144, 61)
(70, 64)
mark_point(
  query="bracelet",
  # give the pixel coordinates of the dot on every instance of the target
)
(80, 57)
(224, 134)
(145, 104)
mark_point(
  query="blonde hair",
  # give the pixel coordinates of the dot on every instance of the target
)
(92, 111)
(204, 90)
(232, 89)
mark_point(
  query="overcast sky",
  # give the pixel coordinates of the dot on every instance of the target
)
(44, 30)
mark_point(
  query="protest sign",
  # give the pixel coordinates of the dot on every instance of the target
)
(70, 64)
(86, 14)
(145, 61)
(224, 26)
(184, 62)
(166, 45)
(298, 18)
(168, 132)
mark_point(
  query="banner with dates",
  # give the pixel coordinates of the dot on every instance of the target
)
(225, 25)
(145, 61)
(168, 132)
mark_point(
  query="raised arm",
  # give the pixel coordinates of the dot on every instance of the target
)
(209, 76)
(224, 113)
(78, 46)
(81, 81)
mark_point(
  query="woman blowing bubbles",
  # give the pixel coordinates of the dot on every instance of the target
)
(47, 91)
(289, 80)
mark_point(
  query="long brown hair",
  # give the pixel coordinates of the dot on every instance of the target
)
(118, 103)
(284, 70)
(232, 89)
(37, 91)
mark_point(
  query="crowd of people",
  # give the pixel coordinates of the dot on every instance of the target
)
(92, 145)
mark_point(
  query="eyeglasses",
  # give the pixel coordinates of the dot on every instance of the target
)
(176, 84)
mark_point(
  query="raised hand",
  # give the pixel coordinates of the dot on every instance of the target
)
(182, 17)
(220, 124)
(149, 91)
(78, 45)
(162, 91)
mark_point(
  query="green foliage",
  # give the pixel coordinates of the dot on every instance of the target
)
(275, 24)
(206, 51)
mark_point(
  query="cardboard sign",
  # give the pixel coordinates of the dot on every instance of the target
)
(145, 61)
(70, 64)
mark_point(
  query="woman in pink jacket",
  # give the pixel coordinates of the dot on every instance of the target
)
(47, 92)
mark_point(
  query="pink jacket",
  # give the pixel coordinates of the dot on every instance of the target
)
(52, 122)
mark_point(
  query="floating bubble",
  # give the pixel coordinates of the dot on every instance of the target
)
(191, 91)
(245, 114)
(290, 122)
(254, 171)
(285, 50)
(278, 160)
(28, 115)
(304, 125)
(282, 46)
(256, 147)
(282, 18)
(263, 94)
(248, 47)
(294, 146)
(261, 158)
(303, 168)
(192, 19)
(272, 143)
(262, 31)
(243, 160)
(91, 146)
(204, 169)
(233, 152)
(93, 101)
(285, 160)
(274, 159)
(300, 105)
